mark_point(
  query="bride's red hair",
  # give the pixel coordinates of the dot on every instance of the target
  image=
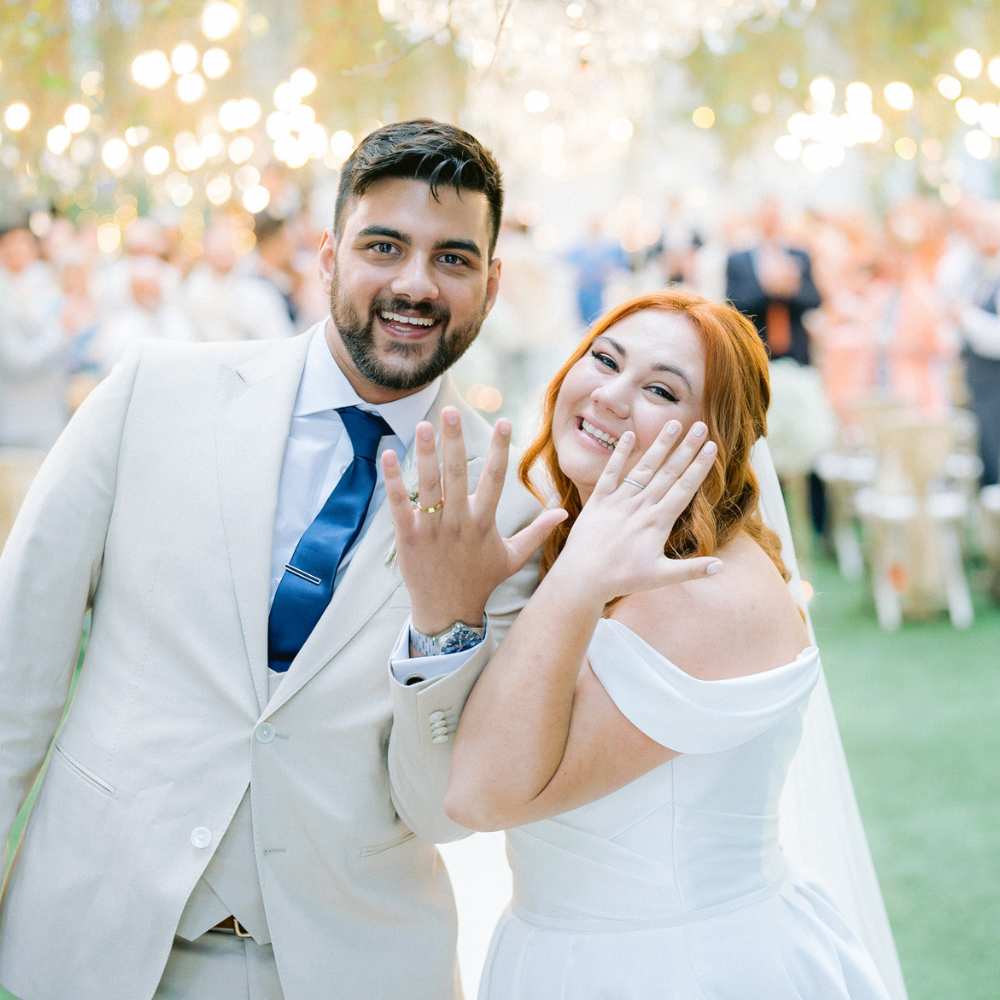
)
(736, 398)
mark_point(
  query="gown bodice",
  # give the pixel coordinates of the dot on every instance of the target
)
(693, 837)
(674, 887)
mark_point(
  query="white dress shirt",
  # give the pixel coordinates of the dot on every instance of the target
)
(318, 453)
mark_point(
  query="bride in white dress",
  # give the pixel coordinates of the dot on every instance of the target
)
(634, 731)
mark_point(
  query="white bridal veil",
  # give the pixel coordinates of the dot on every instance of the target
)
(821, 828)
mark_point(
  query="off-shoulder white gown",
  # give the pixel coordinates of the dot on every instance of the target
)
(675, 887)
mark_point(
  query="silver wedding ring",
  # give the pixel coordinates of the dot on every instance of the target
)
(634, 482)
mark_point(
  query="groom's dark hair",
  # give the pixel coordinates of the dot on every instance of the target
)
(422, 150)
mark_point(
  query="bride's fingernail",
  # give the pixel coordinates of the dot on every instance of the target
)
(673, 427)
(699, 429)
(713, 568)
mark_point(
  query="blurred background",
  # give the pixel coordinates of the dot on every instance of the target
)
(831, 166)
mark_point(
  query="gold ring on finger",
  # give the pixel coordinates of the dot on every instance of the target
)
(432, 509)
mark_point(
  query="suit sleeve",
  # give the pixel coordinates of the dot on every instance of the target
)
(49, 571)
(742, 288)
(419, 759)
(808, 296)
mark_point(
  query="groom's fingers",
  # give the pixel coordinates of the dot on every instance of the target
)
(522, 545)
(456, 476)
(490, 486)
(429, 489)
(397, 495)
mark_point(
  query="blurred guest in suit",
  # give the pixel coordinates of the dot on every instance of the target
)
(33, 347)
(594, 259)
(143, 239)
(225, 304)
(677, 248)
(273, 260)
(980, 327)
(772, 284)
(148, 311)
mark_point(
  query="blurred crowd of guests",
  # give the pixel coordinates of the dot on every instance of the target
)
(68, 311)
(903, 306)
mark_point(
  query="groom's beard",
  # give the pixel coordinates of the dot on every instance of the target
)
(358, 337)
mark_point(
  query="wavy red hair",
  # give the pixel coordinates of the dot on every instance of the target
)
(736, 397)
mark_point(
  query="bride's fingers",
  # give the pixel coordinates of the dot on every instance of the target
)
(682, 490)
(656, 454)
(682, 570)
(612, 474)
(682, 456)
(486, 497)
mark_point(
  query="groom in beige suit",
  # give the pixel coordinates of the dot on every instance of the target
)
(242, 803)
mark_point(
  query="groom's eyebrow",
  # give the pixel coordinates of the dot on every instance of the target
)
(657, 366)
(453, 243)
(392, 234)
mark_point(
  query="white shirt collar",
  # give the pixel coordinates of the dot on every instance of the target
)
(325, 387)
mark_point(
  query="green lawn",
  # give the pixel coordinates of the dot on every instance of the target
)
(919, 710)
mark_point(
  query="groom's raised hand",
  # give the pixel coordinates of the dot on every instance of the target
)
(450, 552)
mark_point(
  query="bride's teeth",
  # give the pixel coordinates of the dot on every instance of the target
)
(606, 439)
(411, 320)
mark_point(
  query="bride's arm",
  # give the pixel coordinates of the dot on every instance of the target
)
(539, 734)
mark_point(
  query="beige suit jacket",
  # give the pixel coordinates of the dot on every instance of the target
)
(156, 507)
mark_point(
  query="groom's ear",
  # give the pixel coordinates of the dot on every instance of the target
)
(327, 259)
(493, 273)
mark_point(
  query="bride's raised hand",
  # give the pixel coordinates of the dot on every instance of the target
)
(616, 545)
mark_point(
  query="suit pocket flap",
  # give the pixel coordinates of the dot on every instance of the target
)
(84, 772)
(387, 845)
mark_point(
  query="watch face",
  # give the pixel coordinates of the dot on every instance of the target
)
(461, 638)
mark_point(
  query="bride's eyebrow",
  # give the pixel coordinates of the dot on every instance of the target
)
(658, 366)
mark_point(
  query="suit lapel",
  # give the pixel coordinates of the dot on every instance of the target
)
(259, 396)
(372, 575)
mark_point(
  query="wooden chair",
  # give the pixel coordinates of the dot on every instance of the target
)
(844, 472)
(914, 521)
(850, 468)
(17, 469)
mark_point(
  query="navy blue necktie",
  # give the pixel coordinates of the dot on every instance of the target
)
(307, 584)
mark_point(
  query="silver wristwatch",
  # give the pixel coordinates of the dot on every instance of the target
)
(456, 638)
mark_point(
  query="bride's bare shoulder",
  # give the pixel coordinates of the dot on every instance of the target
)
(741, 621)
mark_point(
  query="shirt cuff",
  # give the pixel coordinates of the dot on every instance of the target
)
(415, 669)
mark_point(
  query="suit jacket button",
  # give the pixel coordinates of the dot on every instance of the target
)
(436, 716)
(440, 738)
(264, 733)
(201, 837)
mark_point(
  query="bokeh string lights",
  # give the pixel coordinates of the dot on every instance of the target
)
(198, 101)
